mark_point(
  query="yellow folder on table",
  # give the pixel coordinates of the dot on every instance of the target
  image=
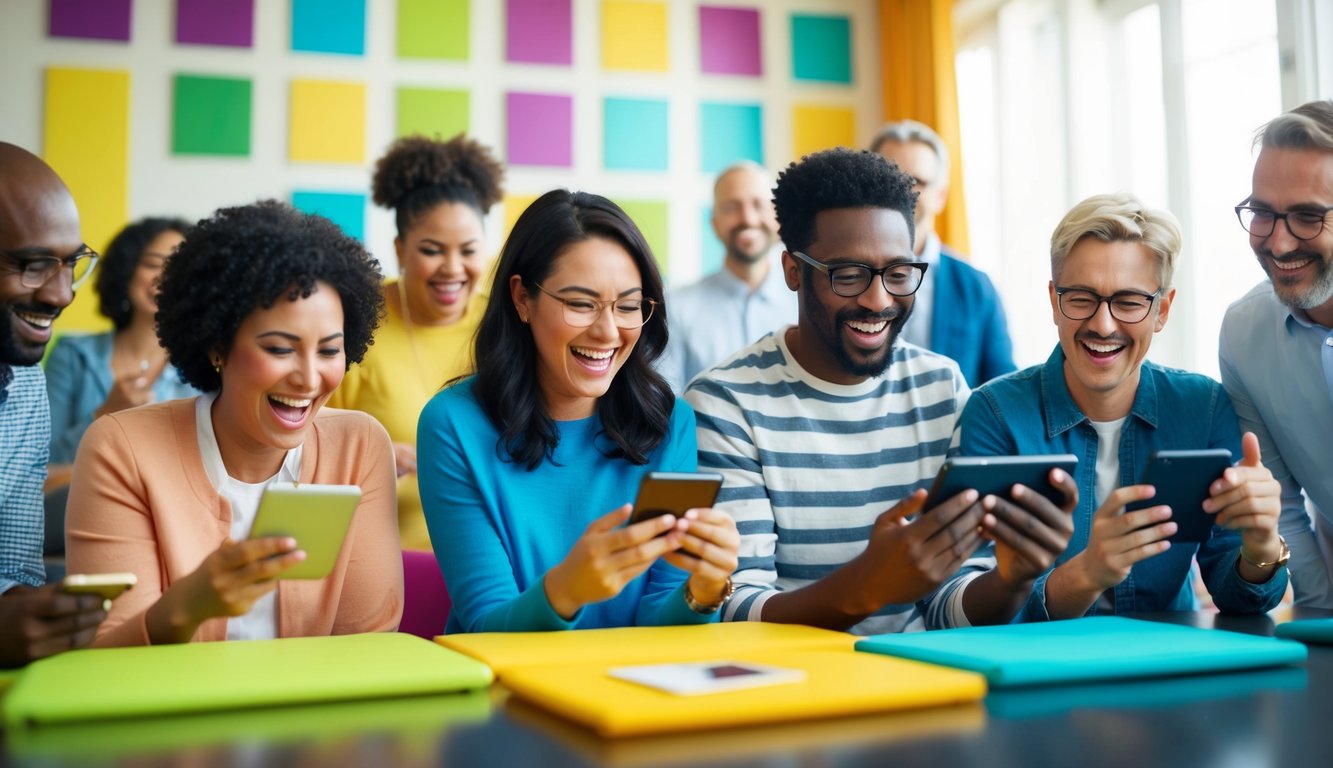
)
(503, 651)
(837, 682)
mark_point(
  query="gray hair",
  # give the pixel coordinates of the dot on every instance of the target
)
(1309, 126)
(1119, 217)
(904, 131)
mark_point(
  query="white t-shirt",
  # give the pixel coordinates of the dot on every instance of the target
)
(1108, 478)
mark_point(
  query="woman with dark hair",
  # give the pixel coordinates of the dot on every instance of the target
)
(262, 308)
(439, 192)
(87, 376)
(564, 417)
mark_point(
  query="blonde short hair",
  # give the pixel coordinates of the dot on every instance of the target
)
(1119, 217)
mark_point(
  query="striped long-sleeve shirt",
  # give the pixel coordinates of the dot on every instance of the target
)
(809, 465)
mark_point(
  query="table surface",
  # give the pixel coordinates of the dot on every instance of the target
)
(1272, 717)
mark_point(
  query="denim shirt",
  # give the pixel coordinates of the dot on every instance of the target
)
(1032, 412)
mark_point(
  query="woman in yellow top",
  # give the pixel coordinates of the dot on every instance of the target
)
(439, 193)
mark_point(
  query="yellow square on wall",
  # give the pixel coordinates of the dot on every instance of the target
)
(634, 36)
(815, 128)
(328, 122)
(515, 205)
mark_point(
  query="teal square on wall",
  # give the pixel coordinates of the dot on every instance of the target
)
(210, 116)
(711, 249)
(329, 26)
(729, 133)
(821, 48)
(634, 135)
(346, 209)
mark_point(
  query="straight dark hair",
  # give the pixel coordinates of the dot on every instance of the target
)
(636, 409)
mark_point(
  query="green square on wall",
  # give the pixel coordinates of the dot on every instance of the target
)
(434, 29)
(433, 112)
(650, 216)
(210, 116)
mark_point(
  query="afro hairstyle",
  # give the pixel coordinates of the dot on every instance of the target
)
(417, 173)
(838, 178)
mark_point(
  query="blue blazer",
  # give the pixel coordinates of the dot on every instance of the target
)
(967, 322)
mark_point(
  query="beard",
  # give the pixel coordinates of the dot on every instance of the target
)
(1289, 290)
(11, 351)
(736, 253)
(853, 362)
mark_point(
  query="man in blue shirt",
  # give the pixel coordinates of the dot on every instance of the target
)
(958, 311)
(41, 259)
(1099, 399)
(744, 300)
(1277, 342)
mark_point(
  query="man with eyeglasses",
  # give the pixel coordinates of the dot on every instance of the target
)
(1098, 398)
(958, 311)
(1276, 348)
(827, 433)
(42, 260)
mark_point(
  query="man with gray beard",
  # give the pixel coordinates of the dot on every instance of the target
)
(1277, 342)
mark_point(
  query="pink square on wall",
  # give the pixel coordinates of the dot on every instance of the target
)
(541, 129)
(93, 19)
(729, 41)
(216, 22)
(539, 31)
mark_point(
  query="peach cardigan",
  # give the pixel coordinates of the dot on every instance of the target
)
(140, 501)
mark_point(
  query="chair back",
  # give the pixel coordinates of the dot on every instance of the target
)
(425, 600)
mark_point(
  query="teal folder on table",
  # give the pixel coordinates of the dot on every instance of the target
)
(1093, 648)
(96, 684)
(1307, 630)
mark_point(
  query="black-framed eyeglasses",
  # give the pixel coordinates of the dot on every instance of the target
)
(1303, 225)
(1125, 306)
(628, 312)
(36, 271)
(900, 278)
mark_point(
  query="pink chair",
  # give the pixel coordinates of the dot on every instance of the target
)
(425, 600)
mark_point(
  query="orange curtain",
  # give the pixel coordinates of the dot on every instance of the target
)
(916, 60)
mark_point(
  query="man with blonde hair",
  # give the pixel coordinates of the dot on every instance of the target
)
(1277, 342)
(1097, 397)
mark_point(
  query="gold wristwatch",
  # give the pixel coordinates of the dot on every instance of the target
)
(701, 608)
(1282, 557)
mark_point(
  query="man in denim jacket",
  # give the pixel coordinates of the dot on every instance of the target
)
(1097, 398)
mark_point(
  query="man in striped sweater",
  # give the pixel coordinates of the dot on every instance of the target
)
(828, 432)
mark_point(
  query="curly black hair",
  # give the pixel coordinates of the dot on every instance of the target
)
(246, 258)
(838, 178)
(116, 267)
(417, 173)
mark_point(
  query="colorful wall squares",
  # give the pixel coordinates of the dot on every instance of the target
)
(815, 128)
(514, 206)
(540, 129)
(539, 31)
(91, 19)
(210, 116)
(728, 133)
(434, 29)
(634, 36)
(821, 48)
(729, 41)
(651, 218)
(433, 112)
(328, 122)
(216, 22)
(329, 26)
(346, 209)
(634, 135)
(711, 249)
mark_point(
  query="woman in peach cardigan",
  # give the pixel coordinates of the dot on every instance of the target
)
(262, 308)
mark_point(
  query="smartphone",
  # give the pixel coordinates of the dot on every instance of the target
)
(996, 475)
(1182, 479)
(674, 493)
(317, 516)
(107, 586)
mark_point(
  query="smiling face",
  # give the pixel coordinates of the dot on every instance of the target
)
(1285, 180)
(143, 283)
(284, 363)
(575, 366)
(848, 339)
(743, 217)
(1103, 355)
(37, 220)
(441, 256)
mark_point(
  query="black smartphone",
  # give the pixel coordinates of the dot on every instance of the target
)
(996, 475)
(1182, 479)
(674, 493)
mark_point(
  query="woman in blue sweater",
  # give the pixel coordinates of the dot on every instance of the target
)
(527, 468)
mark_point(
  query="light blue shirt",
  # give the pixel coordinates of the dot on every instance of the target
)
(1277, 366)
(25, 437)
(917, 327)
(718, 315)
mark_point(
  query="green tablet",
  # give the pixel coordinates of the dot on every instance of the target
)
(317, 516)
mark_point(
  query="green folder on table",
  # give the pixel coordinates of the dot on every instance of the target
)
(95, 684)
(1087, 649)
(1307, 630)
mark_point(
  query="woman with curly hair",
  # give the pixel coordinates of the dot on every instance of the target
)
(87, 376)
(262, 308)
(521, 463)
(439, 193)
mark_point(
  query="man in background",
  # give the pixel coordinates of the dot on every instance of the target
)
(958, 311)
(745, 299)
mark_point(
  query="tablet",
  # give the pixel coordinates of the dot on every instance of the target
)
(317, 516)
(995, 475)
(1182, 479)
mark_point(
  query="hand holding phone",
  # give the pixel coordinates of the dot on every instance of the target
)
(674, 493)
(1182, 479)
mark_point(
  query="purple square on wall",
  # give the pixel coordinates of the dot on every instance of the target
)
(729, 41)
(216, 22)
(95, 19)
(539, 31)
(541, 129)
